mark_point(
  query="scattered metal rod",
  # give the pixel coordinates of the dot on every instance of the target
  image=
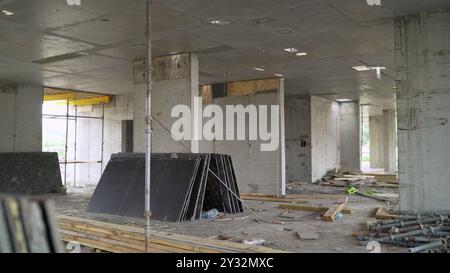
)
(442, 218)
(436, 244)
(425, 231)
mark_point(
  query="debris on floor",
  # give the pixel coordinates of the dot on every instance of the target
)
(345, 177)
(307, 235)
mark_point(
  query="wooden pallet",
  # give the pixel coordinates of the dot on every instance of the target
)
(124, 239)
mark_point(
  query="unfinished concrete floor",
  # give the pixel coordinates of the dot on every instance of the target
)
(334, 237)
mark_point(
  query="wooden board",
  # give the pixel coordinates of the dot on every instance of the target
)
(331, 213)
(384, 177)
(383, 214)
(319, 209)
(296, 196)
(122, 239)
(273, 199)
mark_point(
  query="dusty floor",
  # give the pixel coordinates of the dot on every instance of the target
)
(333, 237)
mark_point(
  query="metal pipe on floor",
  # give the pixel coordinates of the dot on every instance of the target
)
(148, 124)
(429, 246)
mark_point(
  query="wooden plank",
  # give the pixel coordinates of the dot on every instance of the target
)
(244, 88)
(273, 199)
(382, 214)
(311, 208)
(384, 177)
(330, 214)
(112, 237)
(296, 196)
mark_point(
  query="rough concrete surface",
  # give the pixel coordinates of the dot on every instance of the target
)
(334, 237)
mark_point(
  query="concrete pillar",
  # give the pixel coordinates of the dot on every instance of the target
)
(422, 45)
(324, 136)
(20, 117)
(350, 146)
(383, 141)
(298, 138)
(312, 137)
(376, 138)
(175, 82)
(390, 141)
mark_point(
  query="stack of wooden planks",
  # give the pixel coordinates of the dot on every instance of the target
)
(124, 239)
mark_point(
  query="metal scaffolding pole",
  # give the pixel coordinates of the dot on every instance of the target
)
(75, 149)
(148, 125)
(103, 138)
(66, 147)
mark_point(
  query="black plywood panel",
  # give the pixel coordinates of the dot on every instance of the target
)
(182, 186)
(30, 173)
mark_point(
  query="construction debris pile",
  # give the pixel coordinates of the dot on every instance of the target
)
(344, 177)
(419, 233)
(183, 186)
(362, 184)
(28, 226)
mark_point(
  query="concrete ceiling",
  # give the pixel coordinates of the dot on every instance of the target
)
(91, 47)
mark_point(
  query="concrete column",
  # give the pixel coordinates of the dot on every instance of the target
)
(422, 45)
(20, 117)
(175, 82)
(350, 146)
(298, 138)
(376, 137)
(324, 136)
(390, 141)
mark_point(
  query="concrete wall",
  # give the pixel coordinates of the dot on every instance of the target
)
(256, 171)
(298, 139)
(325, 154)
(422, 44)
(350, 146)
(312, 137)
(376, 137)
(175, 82)
(20, 118)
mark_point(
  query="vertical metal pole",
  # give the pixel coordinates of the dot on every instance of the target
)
(66, 147)
(75, 149)
(148, 126)
(103, 138)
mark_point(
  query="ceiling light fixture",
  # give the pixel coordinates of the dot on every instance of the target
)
(291, 50)
(8, 12)
(361, 68)
(219, 22)
(344, 100)
(300, 54)
(278, 75)
(259, 69)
